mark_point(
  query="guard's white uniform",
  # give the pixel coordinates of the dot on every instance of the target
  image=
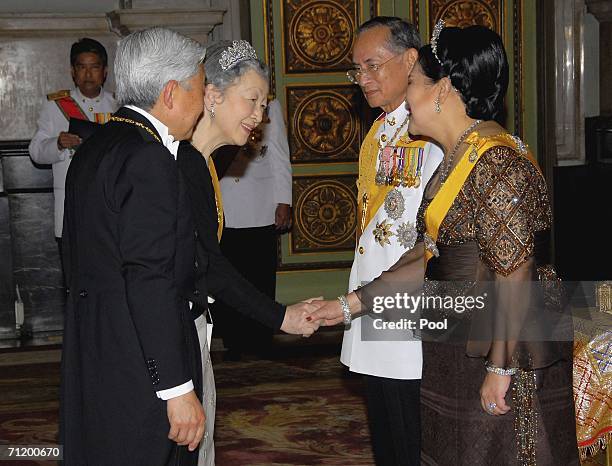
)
(252, 187)
(43, 146)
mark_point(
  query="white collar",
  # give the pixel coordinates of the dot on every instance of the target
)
(396, 117)
(79, 95)
(166, 138)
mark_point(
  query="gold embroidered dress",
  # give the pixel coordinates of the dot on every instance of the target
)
(488, 223)
(493, 231)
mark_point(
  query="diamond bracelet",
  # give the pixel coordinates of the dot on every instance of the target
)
(346, 310)
(498, 370)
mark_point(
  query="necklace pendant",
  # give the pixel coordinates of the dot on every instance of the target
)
(473, 155)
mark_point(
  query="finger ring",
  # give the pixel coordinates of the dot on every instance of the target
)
(491, 406)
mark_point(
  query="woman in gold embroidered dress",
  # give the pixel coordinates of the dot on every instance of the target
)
(486, 218)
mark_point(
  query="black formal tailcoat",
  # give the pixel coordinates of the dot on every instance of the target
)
(215, 275)
(129, 251)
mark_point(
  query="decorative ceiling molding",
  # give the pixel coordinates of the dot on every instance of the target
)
(197, 23)
(191, 22)
(44, 24)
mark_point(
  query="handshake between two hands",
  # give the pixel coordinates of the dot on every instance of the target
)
(304, 318)
(186, 414)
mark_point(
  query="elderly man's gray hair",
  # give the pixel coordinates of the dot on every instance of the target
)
(402, 35)
(147, 60)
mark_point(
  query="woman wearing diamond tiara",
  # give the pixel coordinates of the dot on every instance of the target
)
(235, 98)
(486, 217)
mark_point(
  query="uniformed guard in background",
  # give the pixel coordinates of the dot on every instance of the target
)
(52, 143)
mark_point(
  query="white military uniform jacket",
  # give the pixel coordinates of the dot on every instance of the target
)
(254, 185)
(389, 359)
(43, 146)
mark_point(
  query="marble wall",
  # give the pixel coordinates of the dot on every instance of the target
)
(30, 69)
(6, 267)
(28, 243)
(34, 61)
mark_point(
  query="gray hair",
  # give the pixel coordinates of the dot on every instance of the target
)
(222, 79)
(402, 35)
(147, 60)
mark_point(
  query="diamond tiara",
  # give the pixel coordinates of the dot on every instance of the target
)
(435, 35)
(240, 50)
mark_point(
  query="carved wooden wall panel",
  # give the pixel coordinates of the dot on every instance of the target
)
(463, 13)
(325, 213)
(324, 123)
(318, 34)
(489, 13)
(308, 46)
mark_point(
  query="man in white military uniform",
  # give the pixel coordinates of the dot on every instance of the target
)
(52, 144)
(256, 192)
(393, 172)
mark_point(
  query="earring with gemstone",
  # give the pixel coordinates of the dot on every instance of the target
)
(437, 107)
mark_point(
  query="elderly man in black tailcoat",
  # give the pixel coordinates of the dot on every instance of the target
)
(131, 367)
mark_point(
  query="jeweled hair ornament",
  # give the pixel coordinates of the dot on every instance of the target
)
(435, 35)
(240, 50)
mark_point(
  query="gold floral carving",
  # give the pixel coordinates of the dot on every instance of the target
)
(319, 34)
(463, 13)
(325, 214)
(324, 123)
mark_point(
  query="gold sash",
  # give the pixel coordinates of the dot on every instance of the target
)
(442, 202)
(371, 196)
(218, 198)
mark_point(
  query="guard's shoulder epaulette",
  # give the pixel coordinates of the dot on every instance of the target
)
(58, 95)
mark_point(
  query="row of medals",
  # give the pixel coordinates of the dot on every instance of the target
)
(392, 167)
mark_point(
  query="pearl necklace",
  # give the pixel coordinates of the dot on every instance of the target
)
(448, 162)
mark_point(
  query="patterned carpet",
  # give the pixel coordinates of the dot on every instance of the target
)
(297, 410)
(303, 412)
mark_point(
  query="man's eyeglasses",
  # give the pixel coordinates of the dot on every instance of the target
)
(355, 74)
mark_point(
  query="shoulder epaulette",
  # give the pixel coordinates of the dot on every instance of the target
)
(419, 142)
(58, 95)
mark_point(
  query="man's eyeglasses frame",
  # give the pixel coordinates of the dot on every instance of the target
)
(355, 74)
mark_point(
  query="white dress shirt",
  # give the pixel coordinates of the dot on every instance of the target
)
(166, 138)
